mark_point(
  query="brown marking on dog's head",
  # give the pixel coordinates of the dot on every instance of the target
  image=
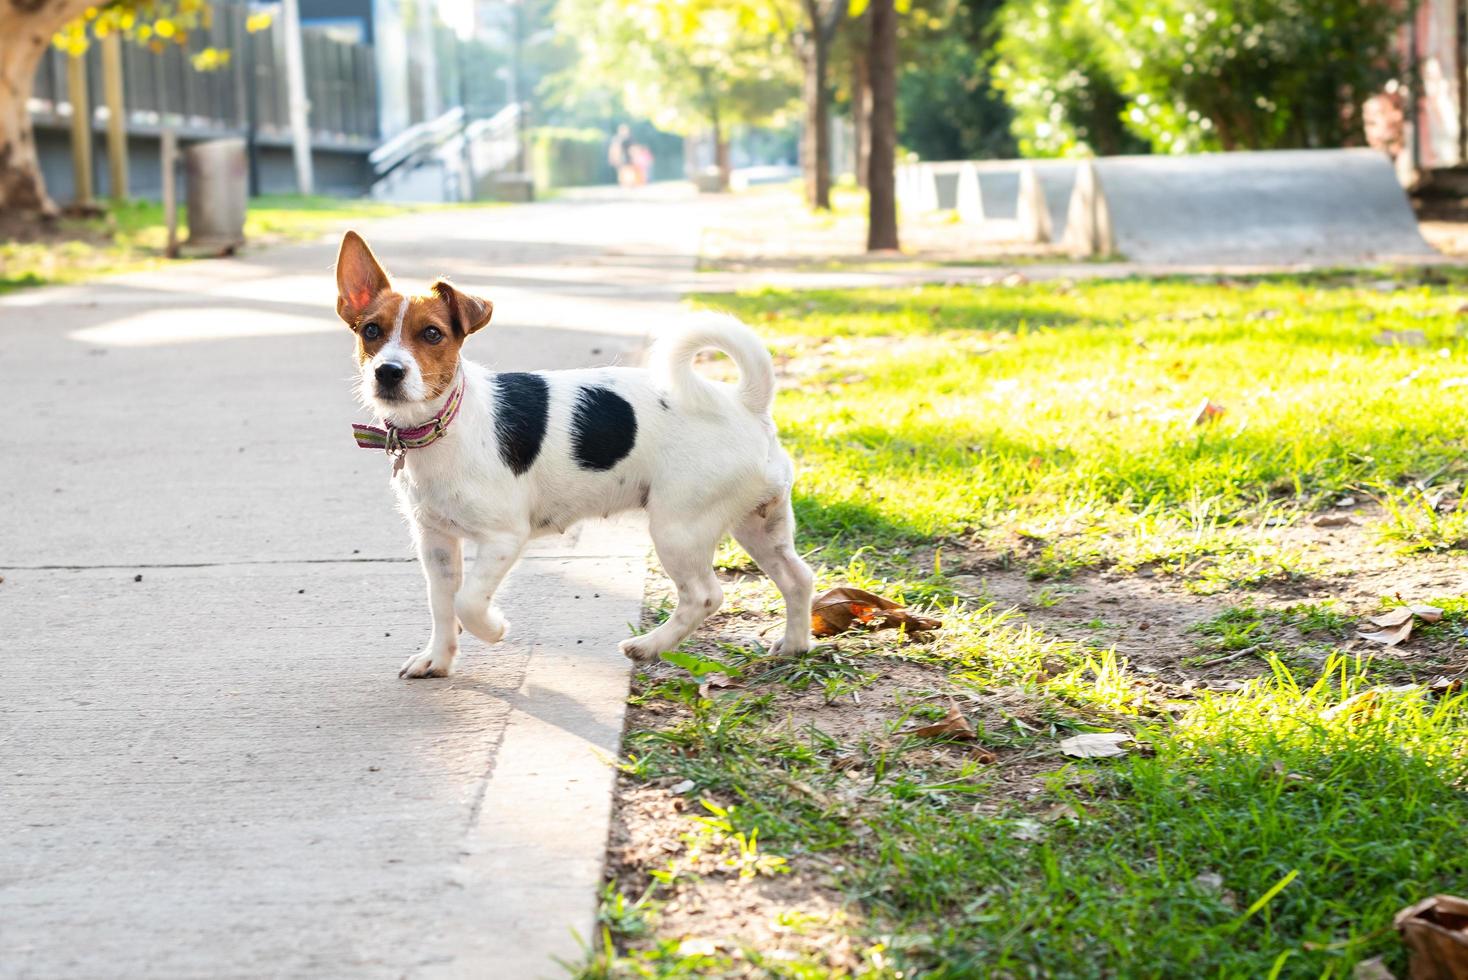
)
(429, 337)
(430, 328)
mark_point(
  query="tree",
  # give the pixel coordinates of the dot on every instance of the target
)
(882, 144)
(947, 104)
(1187, 75)
(1052, 69)
(1250, 74)
(813, 31)
(27, 28)
(684, 64)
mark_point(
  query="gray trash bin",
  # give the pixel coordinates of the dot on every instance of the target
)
(217, 190)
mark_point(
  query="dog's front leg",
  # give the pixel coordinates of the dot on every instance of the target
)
(442, 557)
(474, 603)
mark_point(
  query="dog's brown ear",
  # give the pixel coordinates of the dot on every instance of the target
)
(358, 278)
(467, 313)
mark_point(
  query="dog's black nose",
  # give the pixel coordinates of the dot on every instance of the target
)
(390, 374)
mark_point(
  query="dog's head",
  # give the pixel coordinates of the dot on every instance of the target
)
(407, 346)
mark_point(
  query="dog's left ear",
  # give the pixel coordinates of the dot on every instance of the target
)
(359, 278)
(467, 313)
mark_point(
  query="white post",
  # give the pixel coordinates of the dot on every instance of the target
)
(295, 73)
(970, 203)
(1032, 210)
(428, 63)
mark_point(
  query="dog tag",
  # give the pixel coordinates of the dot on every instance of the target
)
(397, 463)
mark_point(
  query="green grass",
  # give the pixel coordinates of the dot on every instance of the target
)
(132, 236)
(1267, 830)
(1063, 413)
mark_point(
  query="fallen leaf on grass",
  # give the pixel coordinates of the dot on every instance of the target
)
(1372, 969)
(1207, 411)
(712, 681)
(953, 725)
(1332, 520)
(1095, 745)
(1435, 932)
(1027, 829)
(842, 608)
(1395, 625)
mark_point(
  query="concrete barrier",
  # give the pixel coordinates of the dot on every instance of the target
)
(981, 190)
(1285, 206)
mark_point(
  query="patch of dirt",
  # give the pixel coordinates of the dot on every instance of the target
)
(710, 908)
(1152, 619)
(31, 229)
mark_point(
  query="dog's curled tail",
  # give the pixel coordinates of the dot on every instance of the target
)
(673, 356)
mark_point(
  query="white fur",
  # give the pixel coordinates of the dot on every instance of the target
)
(710, 462)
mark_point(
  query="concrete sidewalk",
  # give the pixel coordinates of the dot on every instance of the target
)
(210, 767)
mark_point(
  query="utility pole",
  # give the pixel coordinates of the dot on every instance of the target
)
(252, 111)
(116, 117)
(295, 78)
(81, 129)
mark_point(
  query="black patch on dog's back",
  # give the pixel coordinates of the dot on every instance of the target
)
(603, 428)
(521, 407)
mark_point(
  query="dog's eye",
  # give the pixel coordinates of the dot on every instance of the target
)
(371, 332)
(433, 335)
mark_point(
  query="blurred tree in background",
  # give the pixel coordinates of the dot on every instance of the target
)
(947, 103)
(685, 65)
(1179, 76)
(28, 27)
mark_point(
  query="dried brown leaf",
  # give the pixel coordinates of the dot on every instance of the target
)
(845, 607)
(1390, 636)
(1095, 745)
(953, 725)
(712, 681)
(1435, 932)
(1207, 411)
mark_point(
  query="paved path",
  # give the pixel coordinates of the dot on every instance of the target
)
(208, 766)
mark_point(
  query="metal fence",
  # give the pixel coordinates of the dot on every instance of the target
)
(164, 88)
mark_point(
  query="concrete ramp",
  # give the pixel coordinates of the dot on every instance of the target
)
(1287, 206)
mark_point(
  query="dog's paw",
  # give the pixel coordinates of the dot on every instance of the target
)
(489, 624)
(637, 650)
(783, 649)
(429, 663)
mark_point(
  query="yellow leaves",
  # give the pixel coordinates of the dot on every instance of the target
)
(210, 59)
(155, 24)
(256, 23)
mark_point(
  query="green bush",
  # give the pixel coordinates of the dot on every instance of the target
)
(1191, 75)
(563, 157)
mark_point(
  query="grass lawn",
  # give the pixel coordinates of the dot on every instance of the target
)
(132, 236)
(1035, 465)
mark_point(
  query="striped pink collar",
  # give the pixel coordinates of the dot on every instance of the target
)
(396, 442)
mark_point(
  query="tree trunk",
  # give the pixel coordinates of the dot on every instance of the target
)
(882, 165)
(721, 153)
(817, 137)
(26, 27)
(861, 110)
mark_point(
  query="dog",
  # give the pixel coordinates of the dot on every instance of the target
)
(499, 458)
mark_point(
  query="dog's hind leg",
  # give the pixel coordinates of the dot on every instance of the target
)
(442, 558)
(768, 534)
(686, 549)
(474, 603)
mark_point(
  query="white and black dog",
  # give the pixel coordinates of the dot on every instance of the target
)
(500, 458)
